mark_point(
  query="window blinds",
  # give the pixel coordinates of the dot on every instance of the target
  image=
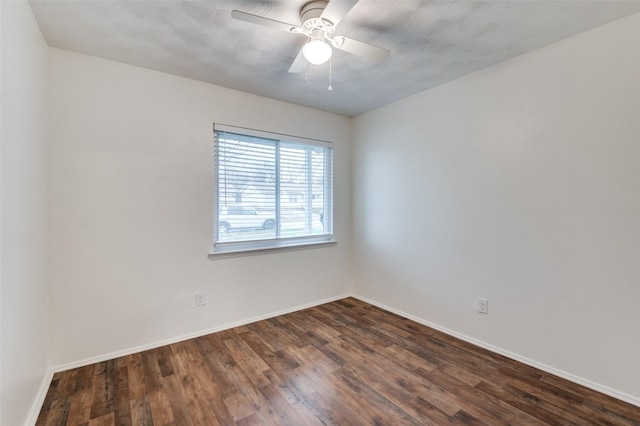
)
(270, 190)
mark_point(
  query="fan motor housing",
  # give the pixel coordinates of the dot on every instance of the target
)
(312, 21)
(313, 9)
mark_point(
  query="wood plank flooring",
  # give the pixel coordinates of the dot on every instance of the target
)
(345, 362)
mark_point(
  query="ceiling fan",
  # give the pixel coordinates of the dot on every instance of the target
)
(319, 20)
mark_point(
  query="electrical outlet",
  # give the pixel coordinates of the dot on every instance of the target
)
(201, 299)
(482, 305)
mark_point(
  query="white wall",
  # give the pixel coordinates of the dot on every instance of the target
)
(521, 184)
(23, 220)
(130, 209)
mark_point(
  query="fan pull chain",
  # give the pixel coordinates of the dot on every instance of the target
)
(306, 79)
(330, 88)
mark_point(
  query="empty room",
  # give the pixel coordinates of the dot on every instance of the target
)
(300, 212)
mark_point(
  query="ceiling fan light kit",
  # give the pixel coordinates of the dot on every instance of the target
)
(317, 51)
(319, 19)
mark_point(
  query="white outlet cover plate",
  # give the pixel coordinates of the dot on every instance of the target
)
(482, 305)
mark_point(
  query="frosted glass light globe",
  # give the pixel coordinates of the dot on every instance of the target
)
(317, 52)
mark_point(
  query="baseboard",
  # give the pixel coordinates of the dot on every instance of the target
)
(556, 372)
(42, 394)
(154, 345)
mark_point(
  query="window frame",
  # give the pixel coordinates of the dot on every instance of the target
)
(261, 246)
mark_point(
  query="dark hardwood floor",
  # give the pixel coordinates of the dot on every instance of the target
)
(345, 362)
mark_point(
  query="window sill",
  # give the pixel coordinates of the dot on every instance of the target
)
(268, 250)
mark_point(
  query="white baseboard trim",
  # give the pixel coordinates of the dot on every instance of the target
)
(560, 373)
(42, 394)
(136, 349)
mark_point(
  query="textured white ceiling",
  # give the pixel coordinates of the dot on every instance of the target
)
(431, 41)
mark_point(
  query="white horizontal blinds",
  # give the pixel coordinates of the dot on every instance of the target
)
(301, 189)
(270, 189)
(246, 183)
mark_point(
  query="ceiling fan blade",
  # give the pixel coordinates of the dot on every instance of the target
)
(261, 20)
(337, 9)
(298, 63)
(363, 49)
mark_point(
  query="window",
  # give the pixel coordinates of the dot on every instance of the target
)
(270, 190)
